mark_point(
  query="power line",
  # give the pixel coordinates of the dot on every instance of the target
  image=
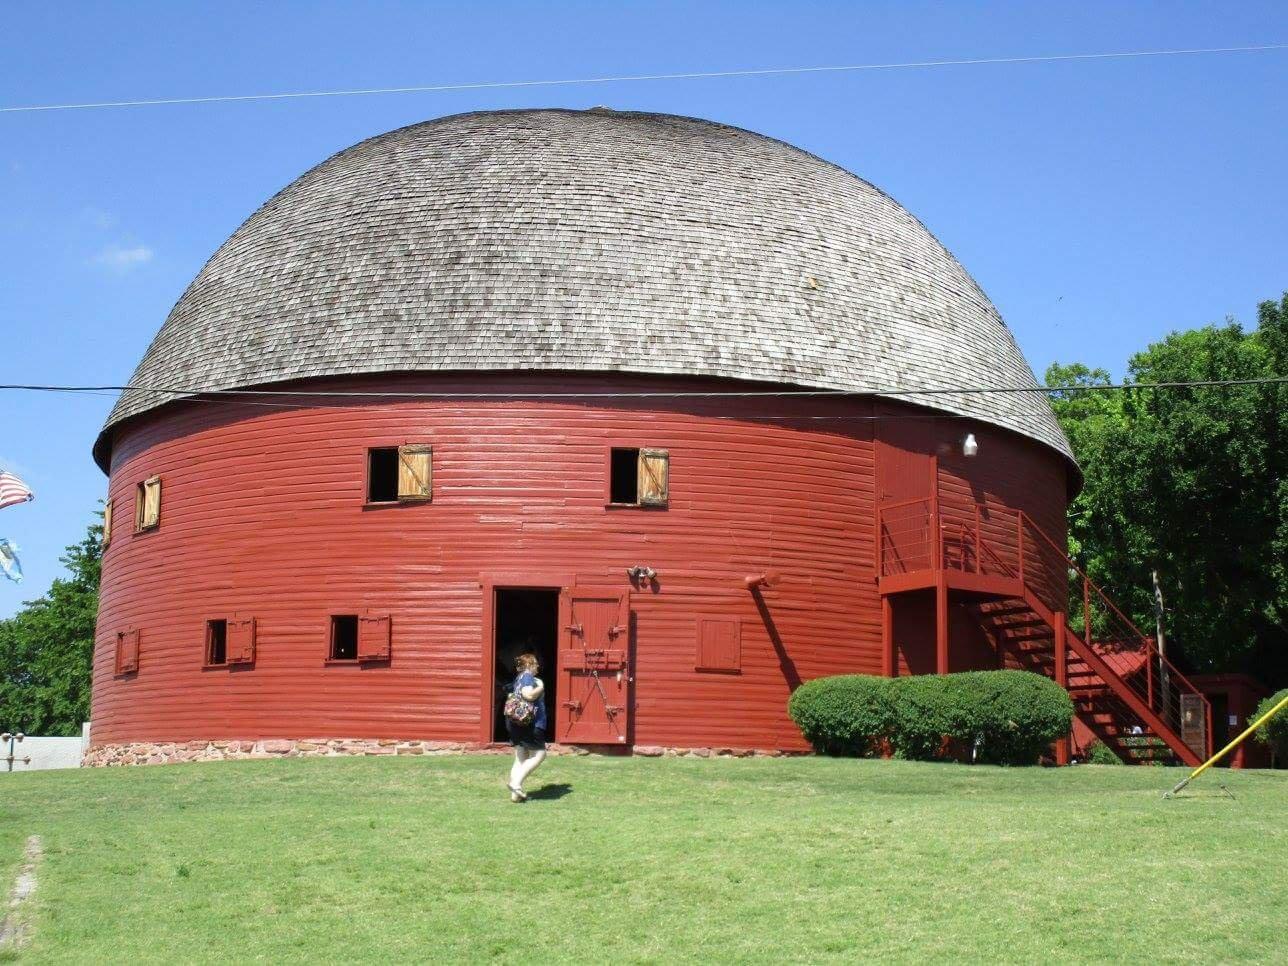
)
(635, 78)
(213, 394)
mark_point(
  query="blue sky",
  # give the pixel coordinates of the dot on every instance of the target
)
(1101, 204)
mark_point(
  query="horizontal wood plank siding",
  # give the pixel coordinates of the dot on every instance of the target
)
(263, 513)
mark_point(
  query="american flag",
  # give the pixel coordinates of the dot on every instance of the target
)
(13, 490)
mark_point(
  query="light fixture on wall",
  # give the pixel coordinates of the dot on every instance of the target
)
(641, 573)
(969, 445)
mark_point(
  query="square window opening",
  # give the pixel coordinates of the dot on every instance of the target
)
(623, 486)
(382, 475)
(217, 642)
(344, 637)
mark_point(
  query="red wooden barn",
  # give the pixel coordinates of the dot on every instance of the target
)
(689, 412)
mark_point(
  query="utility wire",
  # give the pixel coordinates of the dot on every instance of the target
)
(228, 397)
(635, 78)
(211, 394)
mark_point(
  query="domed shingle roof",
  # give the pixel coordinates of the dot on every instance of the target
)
(589, 241)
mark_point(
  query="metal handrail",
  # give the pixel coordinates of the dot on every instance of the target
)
(1161, 692)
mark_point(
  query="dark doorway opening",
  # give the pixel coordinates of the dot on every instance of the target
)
(526, 619)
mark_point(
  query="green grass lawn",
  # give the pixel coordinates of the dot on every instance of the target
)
(649, 859)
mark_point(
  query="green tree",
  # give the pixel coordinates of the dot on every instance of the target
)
(1192, 482)
(47, 648)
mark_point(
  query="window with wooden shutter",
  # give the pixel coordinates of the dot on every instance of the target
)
(107, 522)
(127, 652)
(719, 644)
(147, 504)
(415, 472)
(241, 641)
(654, 477)
(344, 638)
(373, 638)
(216, 643)
(638, 477)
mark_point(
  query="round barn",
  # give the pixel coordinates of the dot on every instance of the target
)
(676, 406)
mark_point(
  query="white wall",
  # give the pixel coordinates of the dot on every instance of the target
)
(45, 752)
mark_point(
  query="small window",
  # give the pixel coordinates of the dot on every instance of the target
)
(624, 482)
(639, 477)
(344, 637)
(217, 642)
(719, 644)
(107, 523)
(400, 474)
(147, 504)
(382, 475)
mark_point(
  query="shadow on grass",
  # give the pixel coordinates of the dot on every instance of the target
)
(549, 792)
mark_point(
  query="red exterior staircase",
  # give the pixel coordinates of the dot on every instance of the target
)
(1011, 576)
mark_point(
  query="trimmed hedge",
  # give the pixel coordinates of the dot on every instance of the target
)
(1001, 717)
(1275, 731)
(848, 714)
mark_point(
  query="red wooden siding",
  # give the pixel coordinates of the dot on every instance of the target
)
(264, 513)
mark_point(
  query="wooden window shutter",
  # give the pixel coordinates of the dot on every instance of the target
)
(127, 652)
(719, 644)
(373, 638)
(654, 478)
(241, 641)
(107, 523)
(415, 472)
(147, 504)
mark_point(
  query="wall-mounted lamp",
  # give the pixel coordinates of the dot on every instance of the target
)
(969, 445)
(641, 573)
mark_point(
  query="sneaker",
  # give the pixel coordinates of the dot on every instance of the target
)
(517, 794)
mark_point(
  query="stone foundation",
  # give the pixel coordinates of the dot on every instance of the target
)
(166, 753)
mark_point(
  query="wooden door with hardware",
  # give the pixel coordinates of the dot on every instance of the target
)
(594, 667)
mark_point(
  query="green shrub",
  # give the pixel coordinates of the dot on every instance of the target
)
(1005, 717)
(845, 715)
(1275, 731)
(1100, 753)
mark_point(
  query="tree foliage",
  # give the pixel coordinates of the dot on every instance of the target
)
(47, 648)
(1192, 482)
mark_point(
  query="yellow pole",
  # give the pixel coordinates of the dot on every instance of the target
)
(1230, 747)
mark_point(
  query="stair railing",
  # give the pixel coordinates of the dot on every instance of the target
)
(1128, 651)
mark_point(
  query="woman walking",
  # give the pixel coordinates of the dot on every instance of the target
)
(525, 720)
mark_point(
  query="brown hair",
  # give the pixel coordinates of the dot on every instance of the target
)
(526, 662)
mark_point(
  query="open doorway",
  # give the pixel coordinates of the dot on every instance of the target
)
(526, 619)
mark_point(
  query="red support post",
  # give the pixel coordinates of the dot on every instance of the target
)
(888, 666)
(1062, 679)
(941, 624)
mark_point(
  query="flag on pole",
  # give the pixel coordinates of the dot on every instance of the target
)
(9, 560)
(13, 490)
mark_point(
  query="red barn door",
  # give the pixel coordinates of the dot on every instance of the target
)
(594, 677)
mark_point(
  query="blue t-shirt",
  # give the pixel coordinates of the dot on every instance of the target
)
(528, 680)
